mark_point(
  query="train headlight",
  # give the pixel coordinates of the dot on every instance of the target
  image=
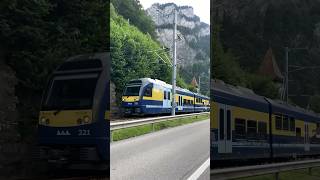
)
(86, 119)
(42, 120)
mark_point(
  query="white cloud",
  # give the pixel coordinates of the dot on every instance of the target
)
(201, 7)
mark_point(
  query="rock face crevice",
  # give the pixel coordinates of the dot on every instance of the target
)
(194, 46)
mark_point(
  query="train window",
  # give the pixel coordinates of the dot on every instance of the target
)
(298, 132)
(132, 91)
(192, 102)
(221, 124)
(169, 95)
(184, 101)
(164, 94)
(228, 125)
(148, 91)
(251, 128)
(262, 129)
(278, 122)
(292, 124)
(240, 127)
(285, 123)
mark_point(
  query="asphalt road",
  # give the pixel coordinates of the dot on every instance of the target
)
(175, 153)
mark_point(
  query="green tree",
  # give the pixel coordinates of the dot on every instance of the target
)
(133, 54)
(315, 103)
(133, 11)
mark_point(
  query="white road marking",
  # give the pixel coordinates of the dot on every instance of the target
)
(200, 170)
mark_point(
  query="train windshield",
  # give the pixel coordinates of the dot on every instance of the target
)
(132, 91)
(71, 92)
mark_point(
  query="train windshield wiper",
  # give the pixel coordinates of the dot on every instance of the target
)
(59, 110)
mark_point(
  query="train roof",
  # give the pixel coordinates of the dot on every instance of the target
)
(84, 62)
(298, 112)
(243, 97)
(202, 96)
(164, 84)
(237, 96)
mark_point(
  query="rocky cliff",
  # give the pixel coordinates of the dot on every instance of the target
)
(194, 45)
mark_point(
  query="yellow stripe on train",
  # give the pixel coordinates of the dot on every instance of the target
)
(65, 118)
(130, 98)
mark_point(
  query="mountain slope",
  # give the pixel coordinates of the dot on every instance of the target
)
(193, 50)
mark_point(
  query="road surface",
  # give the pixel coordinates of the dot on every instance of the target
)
(176, 153)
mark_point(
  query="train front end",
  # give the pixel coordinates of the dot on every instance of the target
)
(74, 118)
(131, 98)
(140, 97)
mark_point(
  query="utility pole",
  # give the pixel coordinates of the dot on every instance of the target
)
(286, 82)
(287, 74)
(174, 67)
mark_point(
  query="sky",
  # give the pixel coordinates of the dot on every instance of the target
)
(201, 7)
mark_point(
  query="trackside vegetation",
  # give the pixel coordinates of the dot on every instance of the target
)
(126, 133)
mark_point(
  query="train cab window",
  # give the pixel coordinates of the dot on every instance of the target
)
(148, 91)
(278, 122)
(285, 123)
(164, 94)
(262, 129)
(132, 91)
(240, 127)
(251, 128)
(292, 124)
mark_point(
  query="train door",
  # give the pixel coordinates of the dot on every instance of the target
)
(180, 104)
(166, 99)
(224, 133)
(306, 137)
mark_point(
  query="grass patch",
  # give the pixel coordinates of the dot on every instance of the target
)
(126, 133)
(301, 174)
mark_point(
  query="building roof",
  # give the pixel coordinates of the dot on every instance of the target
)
(269, 67)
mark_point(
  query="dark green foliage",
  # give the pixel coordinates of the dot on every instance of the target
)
(36, 36)
(225, 67)
(132, 10)
(133, 54)
(39, 34)
(315, 103)
(276, 24)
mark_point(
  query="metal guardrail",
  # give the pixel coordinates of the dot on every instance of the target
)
(257, 170)
(134, 123)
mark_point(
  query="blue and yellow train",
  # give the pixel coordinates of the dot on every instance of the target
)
(247, 126)
(148, 96)
(74, 118)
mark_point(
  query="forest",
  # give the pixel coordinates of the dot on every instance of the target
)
(36, 36)
(134, 47)
(242, 36)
